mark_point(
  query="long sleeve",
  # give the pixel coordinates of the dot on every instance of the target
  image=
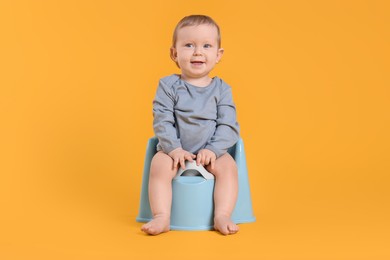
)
(164, 119)
(227, 128)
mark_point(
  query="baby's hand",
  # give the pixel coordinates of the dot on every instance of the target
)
(206, 157)
(179, 156)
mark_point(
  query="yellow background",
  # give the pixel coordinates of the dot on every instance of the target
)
(311, 83)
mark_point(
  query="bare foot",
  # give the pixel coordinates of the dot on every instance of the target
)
(224, 225)
(158, 225)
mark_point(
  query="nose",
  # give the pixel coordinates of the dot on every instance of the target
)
(197, 51)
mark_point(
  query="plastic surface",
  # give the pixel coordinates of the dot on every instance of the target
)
(194, 170)
(192, 193)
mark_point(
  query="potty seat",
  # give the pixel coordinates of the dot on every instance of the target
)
(192, 193)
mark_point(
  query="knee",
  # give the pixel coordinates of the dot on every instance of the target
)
(162, 166)
(223, 166)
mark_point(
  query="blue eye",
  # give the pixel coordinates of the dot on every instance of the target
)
(189, 45)
(207, 46)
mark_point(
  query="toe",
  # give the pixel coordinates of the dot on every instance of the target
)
(233, 229)
(224, 230)
(145, 228)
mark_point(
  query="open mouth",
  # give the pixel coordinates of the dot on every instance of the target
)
(197, 62)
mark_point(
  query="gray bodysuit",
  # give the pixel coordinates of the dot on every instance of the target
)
(194, 117)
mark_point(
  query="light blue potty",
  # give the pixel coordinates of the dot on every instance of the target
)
(192, 193)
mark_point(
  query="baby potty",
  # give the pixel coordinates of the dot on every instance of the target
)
(192, 193)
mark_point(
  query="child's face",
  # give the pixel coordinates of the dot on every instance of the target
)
(196, 51)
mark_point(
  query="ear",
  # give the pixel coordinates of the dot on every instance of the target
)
(173, 53)
(220, 54)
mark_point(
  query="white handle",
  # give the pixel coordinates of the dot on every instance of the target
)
(192, 170)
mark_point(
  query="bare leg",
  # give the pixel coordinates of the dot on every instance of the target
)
(225, 193)
(160, 194)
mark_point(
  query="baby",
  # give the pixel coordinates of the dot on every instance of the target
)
(194, 119)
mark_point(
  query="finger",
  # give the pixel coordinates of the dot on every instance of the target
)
(189, 157)
(182, 163)
(175, 163)
(212, 163)
(207, 161)
(198, 158)
(202, 160)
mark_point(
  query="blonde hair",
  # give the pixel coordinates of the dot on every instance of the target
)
(193, 20)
